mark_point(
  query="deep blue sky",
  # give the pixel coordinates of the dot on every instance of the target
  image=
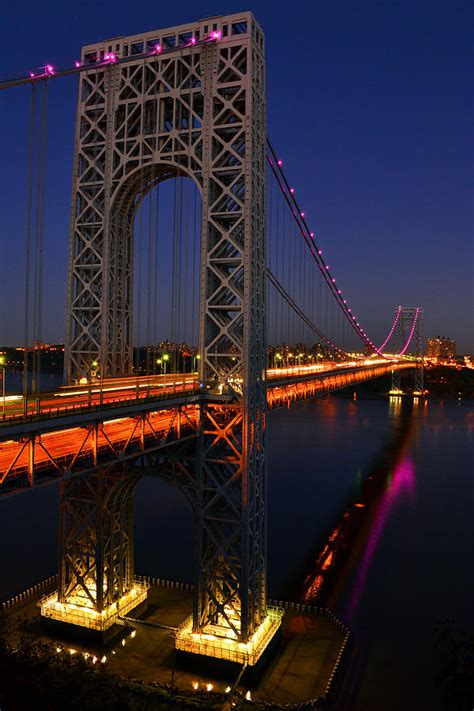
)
(369, 104)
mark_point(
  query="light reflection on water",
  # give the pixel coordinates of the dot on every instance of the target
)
(400, 485)
(352, 538)
(407, 563)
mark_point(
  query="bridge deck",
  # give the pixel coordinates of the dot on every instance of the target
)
(93, 428)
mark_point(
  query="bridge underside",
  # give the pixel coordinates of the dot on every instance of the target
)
(45, 451)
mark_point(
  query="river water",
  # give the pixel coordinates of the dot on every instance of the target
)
(405, 560)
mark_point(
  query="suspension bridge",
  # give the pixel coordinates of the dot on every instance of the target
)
(184, 225)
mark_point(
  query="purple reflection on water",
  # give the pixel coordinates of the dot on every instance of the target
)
(402, 484)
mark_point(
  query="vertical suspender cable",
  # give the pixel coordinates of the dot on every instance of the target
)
(174, 263)
(155, 288)
(277, 268)
(29, 205)
(39, 239)
(271, 318)
(149, 281)
(286, 236)
(139, 279)
(44, 138)
(196, 241)
(180, 265)
(186, 263)
(294, 265)
(301, 290)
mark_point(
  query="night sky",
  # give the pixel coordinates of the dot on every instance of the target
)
(369, 105)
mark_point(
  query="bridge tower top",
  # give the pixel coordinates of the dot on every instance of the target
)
(220, 27)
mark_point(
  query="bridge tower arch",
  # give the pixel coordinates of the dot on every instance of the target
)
(409, 327)
(192, 102)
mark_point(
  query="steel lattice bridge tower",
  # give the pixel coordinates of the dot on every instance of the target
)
(408, 325)
(198, 111)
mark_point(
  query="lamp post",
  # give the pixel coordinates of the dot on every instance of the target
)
(96, 364)
(165, 360)
(2, 365)
(197, 357)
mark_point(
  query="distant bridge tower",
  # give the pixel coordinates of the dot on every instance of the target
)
(410, 318)
(184, 101)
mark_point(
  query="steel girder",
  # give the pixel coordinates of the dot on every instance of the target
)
(37, 458)
(197, 111)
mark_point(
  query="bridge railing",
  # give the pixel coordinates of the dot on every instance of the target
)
(50, 412)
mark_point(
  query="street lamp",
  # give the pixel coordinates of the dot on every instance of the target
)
(165, 360)
(196, 357)
(95, 364)
(3, 361)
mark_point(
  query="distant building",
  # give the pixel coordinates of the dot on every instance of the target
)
(441, 347)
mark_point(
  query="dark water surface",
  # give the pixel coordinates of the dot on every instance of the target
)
(409, 564)
(47, 381)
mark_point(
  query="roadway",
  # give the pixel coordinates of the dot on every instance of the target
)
(78, 426)
(112, 391)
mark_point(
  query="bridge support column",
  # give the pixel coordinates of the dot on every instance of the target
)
(95, 581)
(231, 620)
(205, 118)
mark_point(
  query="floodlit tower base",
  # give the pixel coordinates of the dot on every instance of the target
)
(78, 612)
(219, 642)
(396, 388)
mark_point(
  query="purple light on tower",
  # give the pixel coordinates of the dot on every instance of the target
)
(157, 48)
(280, 163)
